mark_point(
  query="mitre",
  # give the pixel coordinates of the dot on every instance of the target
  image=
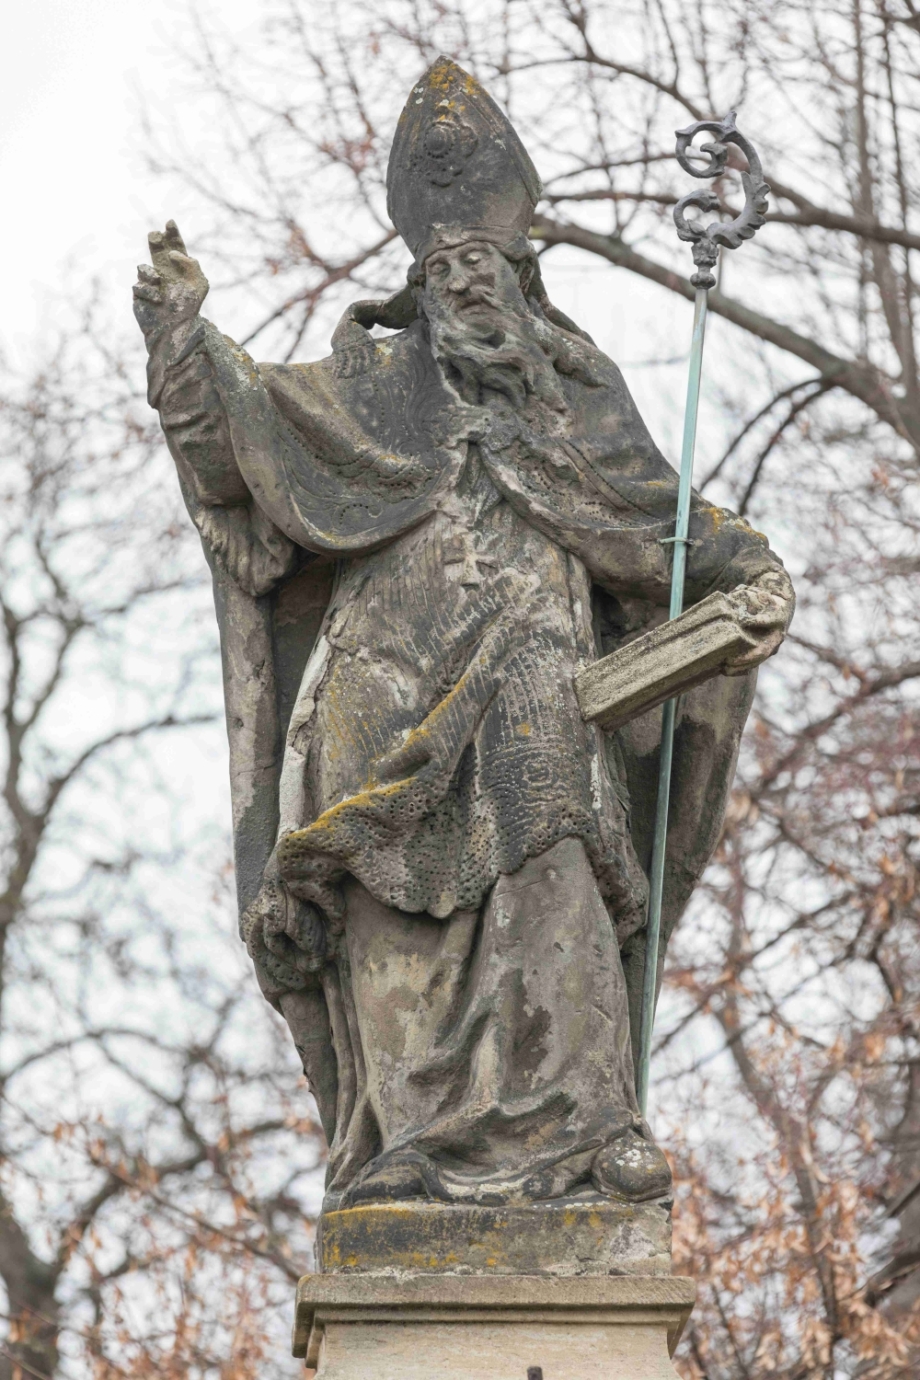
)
(457, 169)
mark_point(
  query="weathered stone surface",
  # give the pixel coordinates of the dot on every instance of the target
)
(356, 1326)
(417, 543)
(662, 663)
(559, 1239)
(479, 1349)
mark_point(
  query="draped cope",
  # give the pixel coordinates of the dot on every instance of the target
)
(406, 589)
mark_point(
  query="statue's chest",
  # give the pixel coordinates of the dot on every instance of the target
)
(430, 596)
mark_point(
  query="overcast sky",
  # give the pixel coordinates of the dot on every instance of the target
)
(73, 183)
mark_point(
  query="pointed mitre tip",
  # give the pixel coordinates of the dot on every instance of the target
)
(444, 66)
(456, 160)
(445, 75)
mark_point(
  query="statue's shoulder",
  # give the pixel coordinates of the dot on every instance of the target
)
(402, 353)
(595, 389)
(355, 353)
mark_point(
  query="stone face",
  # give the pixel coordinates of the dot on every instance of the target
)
(355, 1327)
(567, 1239)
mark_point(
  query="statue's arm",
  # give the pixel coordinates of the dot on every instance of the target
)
(607, 494)
(618, 456)
(238, 534)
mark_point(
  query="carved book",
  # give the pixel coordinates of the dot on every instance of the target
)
(662, 663)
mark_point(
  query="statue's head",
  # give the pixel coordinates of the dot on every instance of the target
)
(457, 170)
(462, 192)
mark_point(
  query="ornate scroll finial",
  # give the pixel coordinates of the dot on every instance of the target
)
(707, 242)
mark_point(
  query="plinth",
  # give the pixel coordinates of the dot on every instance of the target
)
(473, 1327)
(575, 1290)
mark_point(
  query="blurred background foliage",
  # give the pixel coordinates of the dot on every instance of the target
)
(159, 1160)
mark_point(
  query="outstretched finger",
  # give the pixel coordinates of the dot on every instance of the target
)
(174, 238)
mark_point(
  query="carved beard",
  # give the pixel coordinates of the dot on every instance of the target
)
(499, 346)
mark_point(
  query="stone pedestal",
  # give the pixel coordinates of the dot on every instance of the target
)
(479, 1327)
(567, 1290)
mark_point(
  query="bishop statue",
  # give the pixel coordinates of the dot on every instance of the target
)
(416, 543)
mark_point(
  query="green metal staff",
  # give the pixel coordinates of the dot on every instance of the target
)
(706, 245)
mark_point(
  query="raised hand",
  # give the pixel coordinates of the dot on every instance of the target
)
(173, 289)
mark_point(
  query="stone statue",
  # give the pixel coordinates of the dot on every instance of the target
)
(415, 544)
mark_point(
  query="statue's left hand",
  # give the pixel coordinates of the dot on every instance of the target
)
(765, 608)
(173, 289)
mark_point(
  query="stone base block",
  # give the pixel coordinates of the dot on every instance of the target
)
(569, 1238)
(505, 1327)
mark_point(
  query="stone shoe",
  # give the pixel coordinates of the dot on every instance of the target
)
(631, 1168)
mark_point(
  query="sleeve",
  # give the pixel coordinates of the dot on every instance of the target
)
(301, 450)
(239, 536)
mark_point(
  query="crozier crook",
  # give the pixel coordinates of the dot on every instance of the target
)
(706, 242)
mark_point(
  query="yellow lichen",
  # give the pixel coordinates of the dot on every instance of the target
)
(328, 818)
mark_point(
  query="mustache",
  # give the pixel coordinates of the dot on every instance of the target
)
(480, 296)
